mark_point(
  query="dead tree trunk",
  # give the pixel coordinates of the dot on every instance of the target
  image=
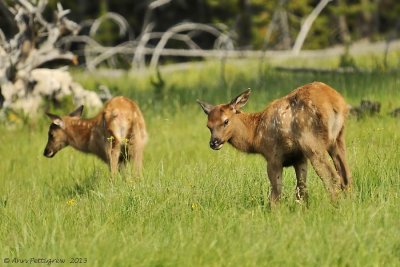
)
(244, 23)
(24, 80)
(306, 26)
(284, 22)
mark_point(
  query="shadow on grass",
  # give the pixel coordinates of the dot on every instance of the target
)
(82, 185)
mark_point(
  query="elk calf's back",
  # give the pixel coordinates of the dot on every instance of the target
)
(307, 124)
(117, 134)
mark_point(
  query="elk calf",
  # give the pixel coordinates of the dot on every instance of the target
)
(117, 134)
(302, 126)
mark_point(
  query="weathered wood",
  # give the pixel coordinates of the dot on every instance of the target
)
(305, 27)
(24, 81)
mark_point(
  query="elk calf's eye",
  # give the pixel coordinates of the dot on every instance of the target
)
(226, 122)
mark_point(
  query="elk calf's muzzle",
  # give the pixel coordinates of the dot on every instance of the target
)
(216, 144)
(48, 153)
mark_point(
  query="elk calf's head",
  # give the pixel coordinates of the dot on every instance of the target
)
(57, 135)
(305, 125)
(222, 119)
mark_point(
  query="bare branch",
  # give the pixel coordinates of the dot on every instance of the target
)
(305, 27)
(181, 28)
(122, 23)
(108, 53)
(155, 4)
(138, 59)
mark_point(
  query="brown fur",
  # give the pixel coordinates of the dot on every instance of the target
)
(302, 126)
(116, 134)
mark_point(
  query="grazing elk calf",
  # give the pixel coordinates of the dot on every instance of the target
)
(115, 135)
(304, 125)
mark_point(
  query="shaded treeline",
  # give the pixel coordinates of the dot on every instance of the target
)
(342, 21)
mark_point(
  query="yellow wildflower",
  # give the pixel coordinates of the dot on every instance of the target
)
(195, 206)
(71, 202)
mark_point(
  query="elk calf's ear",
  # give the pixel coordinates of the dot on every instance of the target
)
(241, 100)
(205, 106)
(56, 119)
(77, 112)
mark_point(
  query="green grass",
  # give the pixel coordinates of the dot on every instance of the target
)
(195, 206)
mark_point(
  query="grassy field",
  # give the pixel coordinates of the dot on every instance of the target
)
(195, 206)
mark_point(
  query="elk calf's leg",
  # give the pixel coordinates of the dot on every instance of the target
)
(114, 152)
(135, 151)
(340, 160)
(274, 171)
(333, 153)
(341, 166)
(300, 168)
(326, 172)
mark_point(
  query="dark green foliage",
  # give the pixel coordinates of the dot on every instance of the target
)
(346, 60)
(250, 19)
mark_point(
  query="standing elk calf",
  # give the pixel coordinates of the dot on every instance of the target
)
(302, 126)
(117, 134)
